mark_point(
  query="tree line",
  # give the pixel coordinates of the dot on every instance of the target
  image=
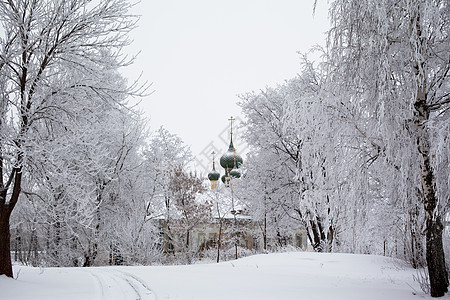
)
(356, 147)
(79, 170)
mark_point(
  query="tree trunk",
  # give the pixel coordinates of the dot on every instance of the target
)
(87, 261)
(265, 232)
(415, 252)
(5, 237)
(434, 248)
(187, 240)
(219, 241)
(318, 235)
(436, 258)
(330, 238)
(434, 228)
(5, 214)
(330, 233)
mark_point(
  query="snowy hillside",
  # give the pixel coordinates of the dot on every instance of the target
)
(273, 276)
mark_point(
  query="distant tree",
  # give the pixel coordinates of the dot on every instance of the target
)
(163, 154)
(220, 210)
(271, 199)
(191, 212)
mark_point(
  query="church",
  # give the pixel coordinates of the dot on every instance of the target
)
(233, 226)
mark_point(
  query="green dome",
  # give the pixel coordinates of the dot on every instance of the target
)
(223, 178)
(235, 173)
(227, 160)
(213, 175)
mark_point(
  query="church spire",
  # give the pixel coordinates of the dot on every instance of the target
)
(231, 119)
(213, 176)
(230, 161)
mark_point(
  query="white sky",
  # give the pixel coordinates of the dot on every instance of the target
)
(201, 54)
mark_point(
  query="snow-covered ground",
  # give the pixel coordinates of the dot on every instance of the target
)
(294, 275)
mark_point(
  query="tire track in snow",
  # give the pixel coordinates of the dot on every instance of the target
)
(98, 285)
(110, 287)
(115, 284)
(140, 285)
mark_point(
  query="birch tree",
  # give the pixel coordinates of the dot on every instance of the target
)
(394, 58)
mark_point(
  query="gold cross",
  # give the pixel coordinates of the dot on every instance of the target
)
(214, 163)
(231, 121)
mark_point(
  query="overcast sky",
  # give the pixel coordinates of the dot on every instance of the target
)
(201, 54)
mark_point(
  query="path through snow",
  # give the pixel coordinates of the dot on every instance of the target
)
(116, 284)
(101, 283)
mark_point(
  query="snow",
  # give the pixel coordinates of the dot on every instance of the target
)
(293, 275)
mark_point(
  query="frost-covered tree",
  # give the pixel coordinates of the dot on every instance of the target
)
(335, 184)
(116, 160)
(79, 180)
(392, 60)
(287, 130)
(271, 199)
(362, 138)
(52, 54)
(163, 154)
(190, 211)
(220, 211)
(134, 238)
